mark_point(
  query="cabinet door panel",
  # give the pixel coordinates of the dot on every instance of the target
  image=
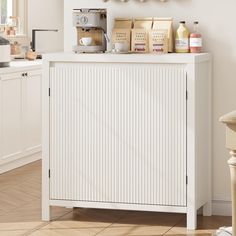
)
(118, 133)
(11, 117)
(32, 112)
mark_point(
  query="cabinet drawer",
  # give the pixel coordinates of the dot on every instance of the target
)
(19, 74)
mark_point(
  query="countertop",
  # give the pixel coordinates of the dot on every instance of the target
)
(127, 58)
(19, 65)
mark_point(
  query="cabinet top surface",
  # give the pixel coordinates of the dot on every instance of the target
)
(20, 65)
(127, 58)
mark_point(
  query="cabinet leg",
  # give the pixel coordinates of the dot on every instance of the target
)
(191, 219)
(45, 212)
(207, 209)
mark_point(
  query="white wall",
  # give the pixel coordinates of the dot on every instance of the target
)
(217, 21)
(46, 14)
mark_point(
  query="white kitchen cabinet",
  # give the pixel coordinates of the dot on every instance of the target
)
(32, 111)
(20, 117)
(11, 117)
(127, 132)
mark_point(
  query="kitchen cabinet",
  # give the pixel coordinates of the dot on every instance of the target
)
(20, 117)
(127, 132)
(32, 112)
(11, 117)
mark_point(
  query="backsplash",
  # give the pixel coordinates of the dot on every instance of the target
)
(19, 45)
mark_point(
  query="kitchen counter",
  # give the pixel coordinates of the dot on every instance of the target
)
(128, 58)
(19, 65)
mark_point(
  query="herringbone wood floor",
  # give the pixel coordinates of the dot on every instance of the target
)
(20, 214)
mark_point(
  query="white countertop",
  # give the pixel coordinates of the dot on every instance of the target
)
(18, 65)
(127, 58)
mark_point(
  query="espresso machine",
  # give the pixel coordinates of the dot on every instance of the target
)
(91, 29)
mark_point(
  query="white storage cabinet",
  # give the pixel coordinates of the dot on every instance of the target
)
(20, 117)
(127, 132)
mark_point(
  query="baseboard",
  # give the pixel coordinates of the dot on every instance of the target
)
(221, 208)
(20, 162)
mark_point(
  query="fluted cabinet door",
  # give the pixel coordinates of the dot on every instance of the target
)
(118, 133)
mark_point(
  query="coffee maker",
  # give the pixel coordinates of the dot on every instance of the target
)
(91, 29)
